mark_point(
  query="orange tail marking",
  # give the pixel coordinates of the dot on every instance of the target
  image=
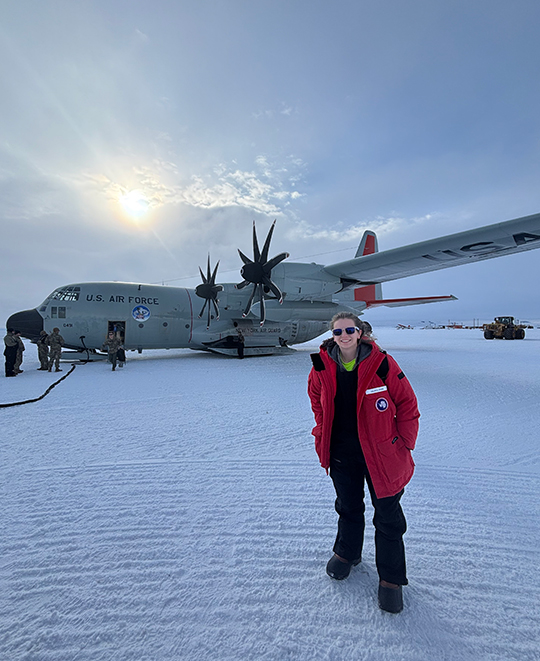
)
(367, 293)
(369, 247)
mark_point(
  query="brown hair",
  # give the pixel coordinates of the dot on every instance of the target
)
(364, 326)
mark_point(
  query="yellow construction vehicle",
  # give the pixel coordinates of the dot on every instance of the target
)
(504, 328)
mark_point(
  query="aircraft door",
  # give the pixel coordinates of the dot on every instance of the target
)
(118, 328)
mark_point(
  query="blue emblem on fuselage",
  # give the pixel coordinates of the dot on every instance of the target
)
(140, 313)
(381, 404)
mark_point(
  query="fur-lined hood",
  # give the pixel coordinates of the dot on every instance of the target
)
(332, 349)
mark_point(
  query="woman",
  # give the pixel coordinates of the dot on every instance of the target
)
(366, 426)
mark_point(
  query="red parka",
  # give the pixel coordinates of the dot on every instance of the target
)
(387, 415)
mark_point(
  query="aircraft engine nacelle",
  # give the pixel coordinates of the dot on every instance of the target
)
(305, 282)
(303, 331)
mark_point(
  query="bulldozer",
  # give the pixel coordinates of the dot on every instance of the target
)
(504, 328)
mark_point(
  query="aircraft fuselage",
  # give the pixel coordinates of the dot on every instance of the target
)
(160, 317)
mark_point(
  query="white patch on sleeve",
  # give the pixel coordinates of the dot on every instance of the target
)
(372, 391)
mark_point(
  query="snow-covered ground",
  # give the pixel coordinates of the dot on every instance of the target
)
(176, 510)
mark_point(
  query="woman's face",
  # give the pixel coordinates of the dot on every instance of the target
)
(346, 341)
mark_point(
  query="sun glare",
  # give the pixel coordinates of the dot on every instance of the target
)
(135, 203)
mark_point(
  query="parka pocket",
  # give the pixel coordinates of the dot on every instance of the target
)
(317, 433)
(395, 457)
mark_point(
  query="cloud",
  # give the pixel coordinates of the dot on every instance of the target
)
(285, 110)
(266, 188)
(265, 191)
(141, 37)
(342, 233)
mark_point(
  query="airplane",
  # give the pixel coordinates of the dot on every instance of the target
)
(277, 304)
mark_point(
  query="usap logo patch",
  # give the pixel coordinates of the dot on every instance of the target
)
(381, 404)
(140, 313)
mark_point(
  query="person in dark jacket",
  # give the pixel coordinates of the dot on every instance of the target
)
(366, 418)
(10, 351)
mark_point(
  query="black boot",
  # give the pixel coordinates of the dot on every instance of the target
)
(338, 569)
(391, 599)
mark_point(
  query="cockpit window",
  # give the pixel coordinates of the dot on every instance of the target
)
(66, 294)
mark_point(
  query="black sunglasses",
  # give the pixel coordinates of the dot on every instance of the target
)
(350, 330)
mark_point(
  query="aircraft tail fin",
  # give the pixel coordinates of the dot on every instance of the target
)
(368, 245)
(372, 295)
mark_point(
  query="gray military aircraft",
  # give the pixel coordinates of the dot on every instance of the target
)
(276, 305)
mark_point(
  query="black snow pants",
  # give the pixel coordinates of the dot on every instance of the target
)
(348, 475)
(11, 356)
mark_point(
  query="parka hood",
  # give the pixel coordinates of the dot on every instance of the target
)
(332, 349)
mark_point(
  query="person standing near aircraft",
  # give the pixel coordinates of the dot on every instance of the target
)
(10, 351)
(20, 348)
(43, 351)
(121, 356)
(111, 345)
(366, 418)
(56, 342)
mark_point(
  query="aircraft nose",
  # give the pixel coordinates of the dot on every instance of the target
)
(29, 322)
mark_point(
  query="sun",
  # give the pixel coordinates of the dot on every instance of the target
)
(135, 203)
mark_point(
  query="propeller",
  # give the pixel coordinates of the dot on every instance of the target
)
(257, 272)
(209, 291)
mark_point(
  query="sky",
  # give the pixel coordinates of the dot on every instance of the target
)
(138, 137)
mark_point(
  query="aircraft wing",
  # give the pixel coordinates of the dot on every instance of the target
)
(475, 245)
(400, 302)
